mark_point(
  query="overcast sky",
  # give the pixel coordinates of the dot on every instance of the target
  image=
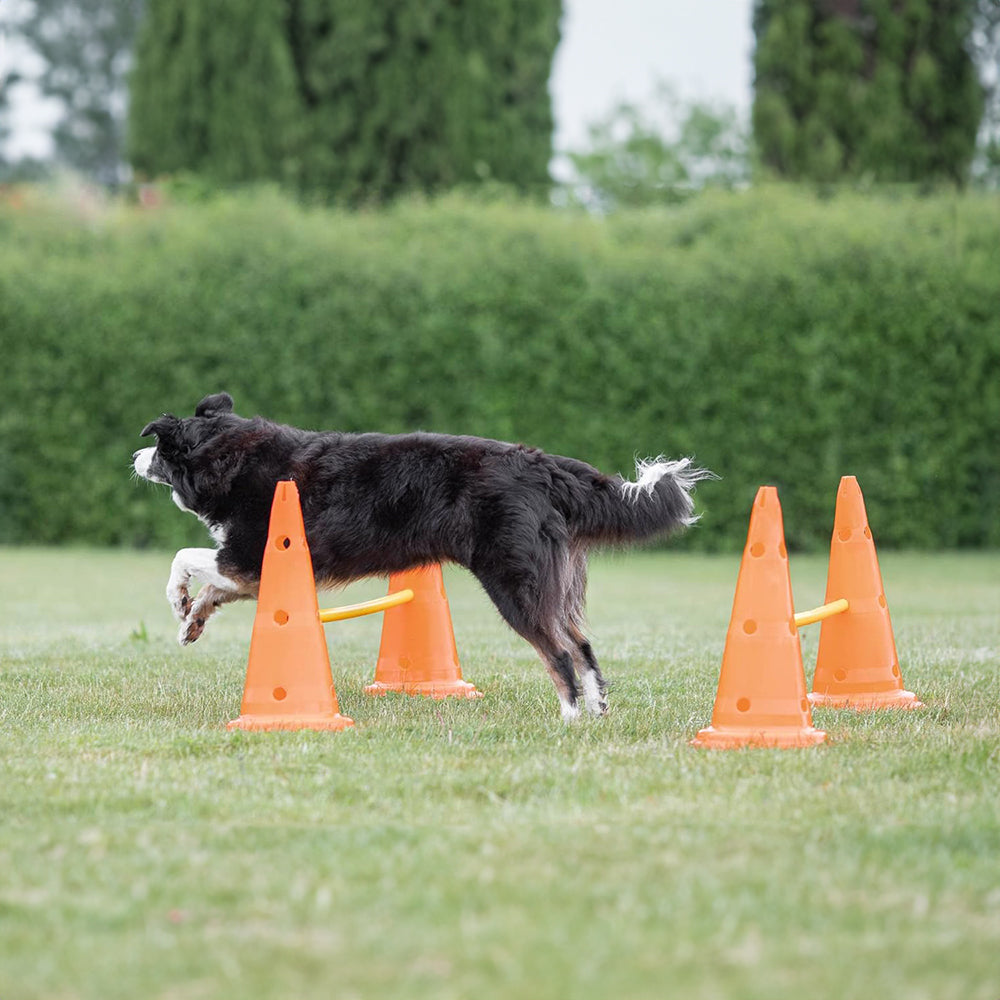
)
(614, 51)
(610, 51)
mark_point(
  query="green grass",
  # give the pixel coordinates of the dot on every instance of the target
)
(484, 849)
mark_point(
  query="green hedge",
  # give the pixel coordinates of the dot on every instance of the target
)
(776, 337)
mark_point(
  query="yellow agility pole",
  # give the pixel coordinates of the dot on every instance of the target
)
(823, 611)
(365, 607)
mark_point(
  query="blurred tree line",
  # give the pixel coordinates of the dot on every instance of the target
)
(84, 49)
(357, 101)
(360, 102)
(849, 89)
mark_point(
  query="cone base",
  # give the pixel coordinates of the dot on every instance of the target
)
(428, 689)
(866, 701)
(781, 739)
(267, 723)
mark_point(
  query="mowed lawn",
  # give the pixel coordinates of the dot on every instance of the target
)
(484, 849)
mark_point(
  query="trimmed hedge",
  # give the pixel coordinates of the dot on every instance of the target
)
(776, 337)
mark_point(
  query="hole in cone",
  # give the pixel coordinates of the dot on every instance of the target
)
(757, 550)
(749, 626)
(281, 617)
(881, 600)
(280, 694)
(895, 670)
(743, 705)
(844, 534)
(283, 542)
(782, 551)
(840, 674)
(868, 533)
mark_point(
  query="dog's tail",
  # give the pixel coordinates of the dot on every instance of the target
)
(615, 510)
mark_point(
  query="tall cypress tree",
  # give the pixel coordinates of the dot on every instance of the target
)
(854, 88)
(359, 101)
(212, 90)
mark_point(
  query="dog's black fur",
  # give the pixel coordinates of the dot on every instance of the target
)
(519, 519)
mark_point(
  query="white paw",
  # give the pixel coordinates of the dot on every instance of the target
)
(570, 713)
(594, 696)
(180, 601)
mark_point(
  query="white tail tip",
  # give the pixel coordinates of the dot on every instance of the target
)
(649, 471)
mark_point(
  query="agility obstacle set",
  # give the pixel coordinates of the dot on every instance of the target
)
(761, 698)
(289, 683)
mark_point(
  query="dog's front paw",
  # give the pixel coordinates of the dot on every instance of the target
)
(180, 602)
(190, 630)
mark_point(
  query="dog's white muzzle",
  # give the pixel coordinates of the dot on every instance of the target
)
(141, 461)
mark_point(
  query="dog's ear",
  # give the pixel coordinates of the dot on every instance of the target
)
(213, 406)
(169, 433)
(165, 427)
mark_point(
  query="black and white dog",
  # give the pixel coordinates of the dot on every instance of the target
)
(519, 519)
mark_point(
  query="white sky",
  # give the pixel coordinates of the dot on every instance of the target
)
(614, 50)
(611, 50)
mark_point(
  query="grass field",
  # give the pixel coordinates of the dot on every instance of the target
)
(485, 849)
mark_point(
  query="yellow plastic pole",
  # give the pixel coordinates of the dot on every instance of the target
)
(365, 607)
(823, 611)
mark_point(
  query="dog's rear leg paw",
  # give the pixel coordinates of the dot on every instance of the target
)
(595, 694)
(599, 709)
(570, 711)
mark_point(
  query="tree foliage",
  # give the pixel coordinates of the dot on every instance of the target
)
(85, 48)
(661, 152)
(886, 89)
(986, 45)
(5, 87)
(359, 101)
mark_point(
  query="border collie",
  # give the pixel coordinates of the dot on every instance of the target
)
(519, 519)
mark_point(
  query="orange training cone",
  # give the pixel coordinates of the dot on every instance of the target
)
(288, 685)
(417, 654)
(857, 666)
(761, 699)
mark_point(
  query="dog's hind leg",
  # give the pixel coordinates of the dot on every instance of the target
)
(522, 606)
(558, 661)
(595, 688)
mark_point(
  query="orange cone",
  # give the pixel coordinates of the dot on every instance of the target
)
(761, 699)
(857, 666)
(417, 654)
(288, 685)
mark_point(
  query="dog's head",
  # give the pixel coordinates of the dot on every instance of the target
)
(191, 455)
